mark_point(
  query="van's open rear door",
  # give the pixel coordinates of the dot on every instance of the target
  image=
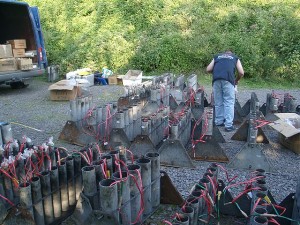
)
(42, 58)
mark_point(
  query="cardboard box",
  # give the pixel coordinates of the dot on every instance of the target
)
(17, 43)
(89, 78)
(112, 80)
(64, 90)
(25, 64)
(288, 126)
(18, 52)
(8, 64)
(132, 77)
(5, 51)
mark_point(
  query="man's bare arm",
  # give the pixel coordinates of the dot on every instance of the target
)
(210, 67)
(240, 70)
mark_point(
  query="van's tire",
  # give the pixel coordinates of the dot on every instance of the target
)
(18, 85)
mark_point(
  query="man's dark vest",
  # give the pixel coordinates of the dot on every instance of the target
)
(224, 67)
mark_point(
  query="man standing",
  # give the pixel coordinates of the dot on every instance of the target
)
(223, 67)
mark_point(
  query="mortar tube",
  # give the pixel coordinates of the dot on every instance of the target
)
(6, 131)
(78, 109)
(86, 105)
(89, 185)
(2, 190)
(189, 211)
(123, 156)
(55, 192)
(155, 178)
(73, 111)
(83, 162)
(130, 118)
(108, 161)
(139, 118)
(262, 201)
(8, 187)
(62, 171)
(259, 220)
(145, 165)
(123, 196)
(292, 105)
(109, 198)
(197, 194)
(20, 170)
(145, 127)
(25, 197)
(92, 120)
(53, 157)
(257, 212)
(119, 121)
(1, 141)
(126, 121)
(262, 189)
(46, 192)
(260, 172)
(261, 182)
(77, 174)
(205, 183)
(174, 131)
(115, 156)
(182, 219)
(71, 181)
(212, 186)
(135, 195)
(134, 118)
(98, 171)
(214, 165)
(100, 125)
(194, 203)
(90, 97)
(214, 172)
(38, 208)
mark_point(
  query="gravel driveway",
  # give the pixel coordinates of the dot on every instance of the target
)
(33, 114)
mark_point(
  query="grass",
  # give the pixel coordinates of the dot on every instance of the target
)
(206, 80)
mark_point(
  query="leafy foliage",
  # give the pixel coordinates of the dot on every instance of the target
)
(178, 36)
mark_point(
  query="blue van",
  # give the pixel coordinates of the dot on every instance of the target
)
(20, 21)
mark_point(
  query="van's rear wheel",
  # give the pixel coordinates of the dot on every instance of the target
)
(18, 85)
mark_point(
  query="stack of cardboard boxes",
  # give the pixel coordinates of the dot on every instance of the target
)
(12, 56)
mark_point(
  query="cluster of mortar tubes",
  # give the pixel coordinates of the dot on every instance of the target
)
(129, 119)
(160, 95)
(207, 121)
(199, 98)
(155, 126)
(130, 194)
(195, 208)
(6, 135)
(259, 199)
(79, 107)
(182, 129)
(252, 129)
(99, 118)
(179, 82)
(289, 103)
(165, 79)
(192, 82)
(272, 103)
(51, 193)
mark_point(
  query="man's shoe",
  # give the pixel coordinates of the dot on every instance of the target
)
(229, 129)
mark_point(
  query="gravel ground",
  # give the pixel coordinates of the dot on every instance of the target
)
(30, 108)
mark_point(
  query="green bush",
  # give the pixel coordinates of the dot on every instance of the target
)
(178, 36)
